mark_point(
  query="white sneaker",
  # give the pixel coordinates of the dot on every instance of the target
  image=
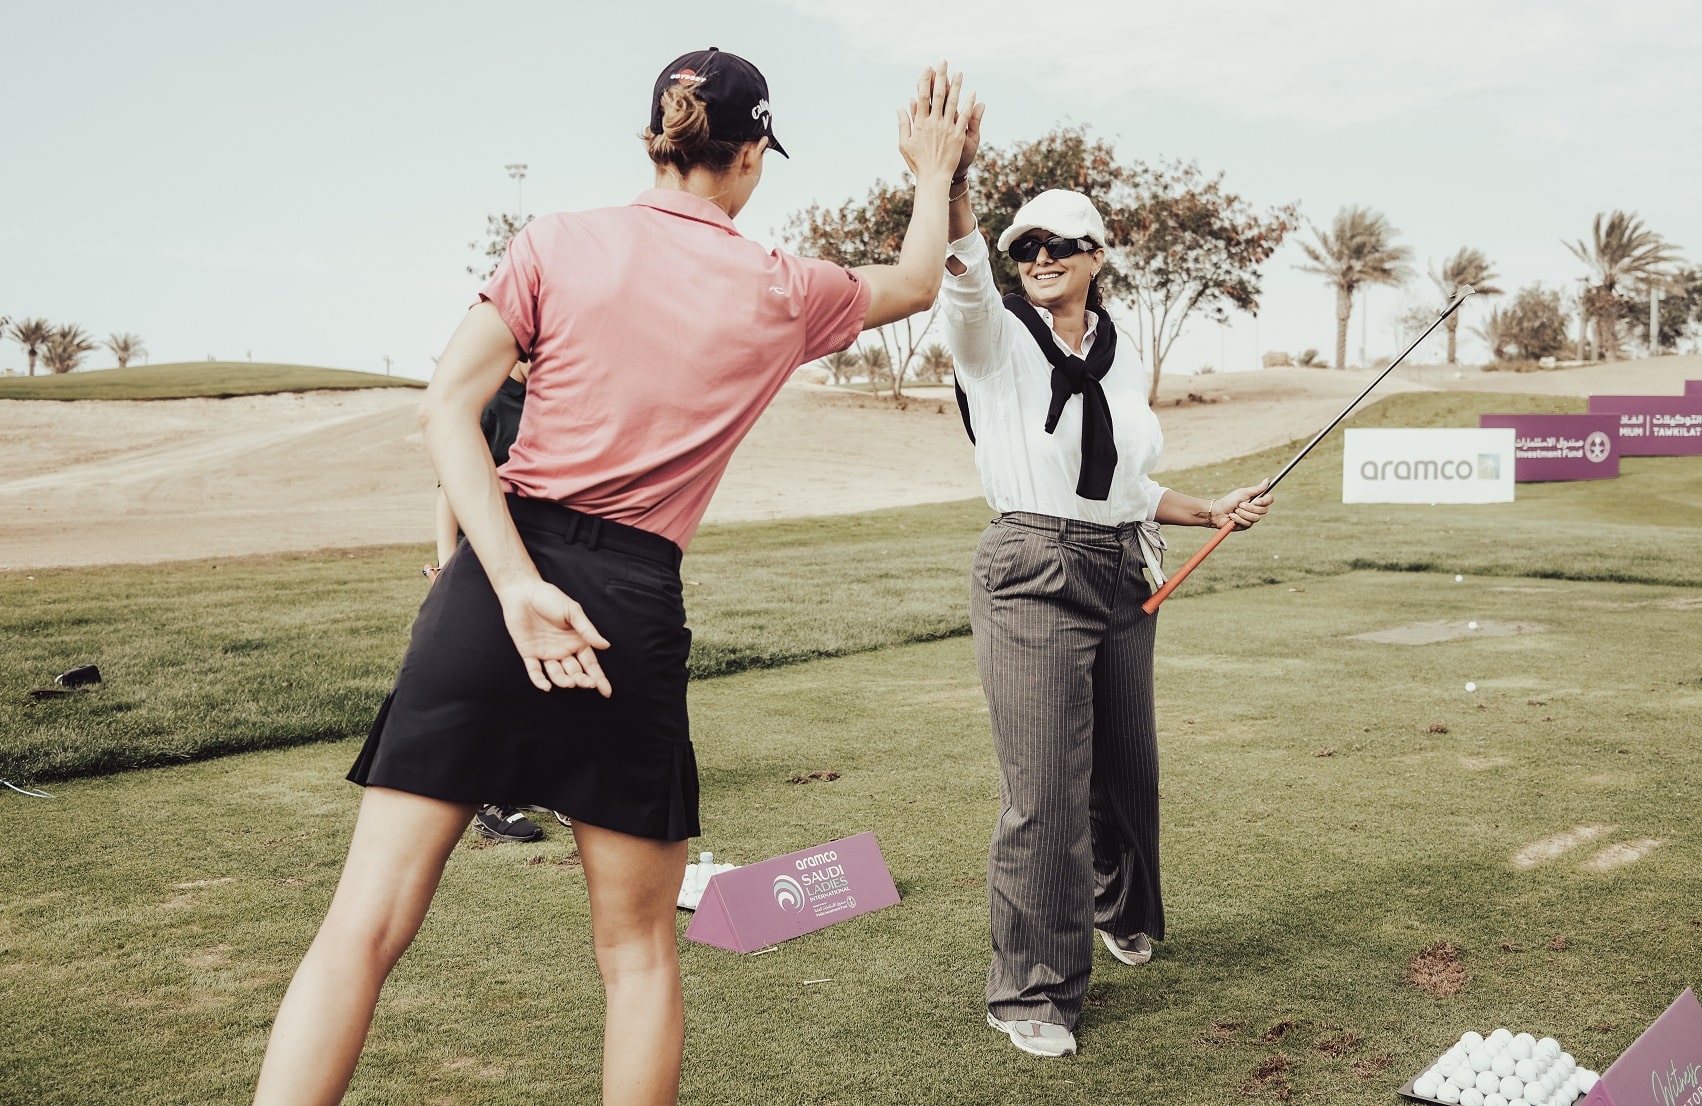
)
(1037, 1038)
(1134, 950)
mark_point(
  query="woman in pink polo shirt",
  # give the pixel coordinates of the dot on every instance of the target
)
(548, 663)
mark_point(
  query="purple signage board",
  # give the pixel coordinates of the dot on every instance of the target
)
(1561, 447)
(1693, 387)
(1663, 1067)
(758, 905)
(1655, 426)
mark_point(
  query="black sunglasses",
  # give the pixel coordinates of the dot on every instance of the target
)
(1027, 249)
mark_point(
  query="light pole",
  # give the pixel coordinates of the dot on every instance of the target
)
(517, 173)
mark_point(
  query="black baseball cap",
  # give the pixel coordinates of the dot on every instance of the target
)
(731, 88)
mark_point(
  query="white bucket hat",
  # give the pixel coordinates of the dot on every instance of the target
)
(1066, 214)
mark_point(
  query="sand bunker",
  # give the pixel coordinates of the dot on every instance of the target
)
(100, 482)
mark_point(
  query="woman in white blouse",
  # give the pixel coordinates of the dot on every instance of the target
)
(1064, 442)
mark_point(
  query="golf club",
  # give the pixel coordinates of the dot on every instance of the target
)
(1170, 585)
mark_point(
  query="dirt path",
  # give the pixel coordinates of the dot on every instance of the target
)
(117, 482)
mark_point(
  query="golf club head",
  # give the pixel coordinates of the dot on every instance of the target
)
(1460, 295)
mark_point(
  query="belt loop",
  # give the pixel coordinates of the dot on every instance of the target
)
(572, 526)
(596, 529)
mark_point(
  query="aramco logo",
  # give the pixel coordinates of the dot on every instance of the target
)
(788, 894)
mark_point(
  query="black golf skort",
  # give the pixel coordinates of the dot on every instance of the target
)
(465, 724)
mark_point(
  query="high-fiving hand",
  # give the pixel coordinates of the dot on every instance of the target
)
(932, 132)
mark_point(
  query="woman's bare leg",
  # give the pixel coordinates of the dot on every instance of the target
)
(634, 884)
(396, 858)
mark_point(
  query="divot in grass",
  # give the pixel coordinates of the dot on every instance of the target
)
(1620, 854)
(1438, 969)
(1557, 845)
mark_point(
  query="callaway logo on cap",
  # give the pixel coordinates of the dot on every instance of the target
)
(732, 89)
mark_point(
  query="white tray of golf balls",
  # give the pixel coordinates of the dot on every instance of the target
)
(1503, 1069)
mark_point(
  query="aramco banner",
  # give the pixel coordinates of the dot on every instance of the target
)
(1561, 447)
(1655, 426)
(1444, 465)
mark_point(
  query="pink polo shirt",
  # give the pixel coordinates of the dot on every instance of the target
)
(657, 335)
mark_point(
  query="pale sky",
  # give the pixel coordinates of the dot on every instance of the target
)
(300, 182)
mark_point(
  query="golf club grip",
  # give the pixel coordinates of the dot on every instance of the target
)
(1170, 585)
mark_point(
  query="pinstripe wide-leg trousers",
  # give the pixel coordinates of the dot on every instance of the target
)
(1065, 655)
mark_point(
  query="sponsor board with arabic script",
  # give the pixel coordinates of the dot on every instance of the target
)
(1655, 426)
(1561, 447)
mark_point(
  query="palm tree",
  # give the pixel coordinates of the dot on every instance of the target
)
(32, 334)
(1357, 250)
(1468, 266)
(841, 365)
(936, 363)
(878, 364)
(1494, 333)
(1620, 251)
(66, 347)
(124, 347)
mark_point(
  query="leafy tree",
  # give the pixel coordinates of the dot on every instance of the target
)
(124, 347)
(1409, 323)
(1468, 266)
(1178, 241)
(1622, 254)
(1357, 250)
(936, 364)
(841, 366)
(32, 334)
(1188, 245)
(65, 348)
(868, 233)
(1535, 323)
(499, 232)
(1004, 178)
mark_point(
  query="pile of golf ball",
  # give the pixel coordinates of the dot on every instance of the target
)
(1505, 1069)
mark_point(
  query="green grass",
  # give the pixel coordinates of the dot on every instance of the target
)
(152, 919)
(191, 379)
(212, 657)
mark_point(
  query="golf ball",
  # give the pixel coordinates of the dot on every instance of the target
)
(1548, 1047)
(1503, 1065)
(1488, 1081)
(1494, 1100)
(1471, 1038)
(1459, 579)
(1511, 1087)
(1473, 1097)
(1470, 686)
(1473, 626)
(1448, 1093)
(1501, 1036)
(1480, 1059)
(1425, 1086)
(1525, 1069)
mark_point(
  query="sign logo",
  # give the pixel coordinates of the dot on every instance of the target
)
(788, 894)
(687, 76)
(1597, 447)
(761, 112)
